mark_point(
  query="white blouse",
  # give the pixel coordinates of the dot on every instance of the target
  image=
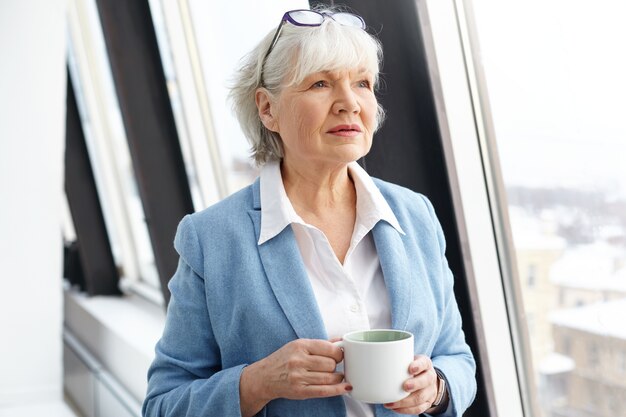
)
(352, 296)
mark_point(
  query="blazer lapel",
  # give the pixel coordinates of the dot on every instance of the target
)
(396, 271)
(287, 276)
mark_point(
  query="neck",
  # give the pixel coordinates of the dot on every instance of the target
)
(316, 189)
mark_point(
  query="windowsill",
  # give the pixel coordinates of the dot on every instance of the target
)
(48, 409)
(120, 332)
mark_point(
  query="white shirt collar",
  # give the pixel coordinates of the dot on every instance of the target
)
(277, 211)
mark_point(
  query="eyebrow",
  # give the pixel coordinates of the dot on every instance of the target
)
(331, 73)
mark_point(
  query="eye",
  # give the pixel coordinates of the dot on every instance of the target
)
(365, 84)
(319, 84)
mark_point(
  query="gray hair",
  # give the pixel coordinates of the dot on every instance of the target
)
(328, 47)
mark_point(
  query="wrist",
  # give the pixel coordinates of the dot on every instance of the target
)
(440, 403)
(252, 394)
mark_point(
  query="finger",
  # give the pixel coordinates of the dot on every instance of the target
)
(423, 381)
(322, 378)
(422, 396)
(415, 410)
(335, 339)
(420, 364)
(323, 348)
(320, 363)
(413, 384)
(411, 401)
(322, 391)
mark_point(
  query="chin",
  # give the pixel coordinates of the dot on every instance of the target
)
(350, 158)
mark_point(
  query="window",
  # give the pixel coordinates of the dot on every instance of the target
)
(593, 355)
(566, 345)
(614, 402)
(531, 276)
(191, 35)
(108, 149)
(556, 95)
(593, 399)
(192, 114)
(562, 296)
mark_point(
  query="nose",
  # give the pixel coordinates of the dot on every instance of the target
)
(346, 101)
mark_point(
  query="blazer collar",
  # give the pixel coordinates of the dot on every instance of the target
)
(256, 194)
(287, 276)
(396, 271)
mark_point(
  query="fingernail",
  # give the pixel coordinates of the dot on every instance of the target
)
(409, 386)
(349, 388)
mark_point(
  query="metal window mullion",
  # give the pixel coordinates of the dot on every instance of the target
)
(149, 124)
(94, 248)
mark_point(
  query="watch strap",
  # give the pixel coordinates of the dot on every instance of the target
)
(441, 389)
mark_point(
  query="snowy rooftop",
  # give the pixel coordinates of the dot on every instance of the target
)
(597, 266)
(534, 233)
(605, 319)
(555, 363)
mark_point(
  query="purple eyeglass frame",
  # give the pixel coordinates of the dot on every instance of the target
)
(287, 18)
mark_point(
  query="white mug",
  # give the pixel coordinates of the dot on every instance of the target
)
(376, 364)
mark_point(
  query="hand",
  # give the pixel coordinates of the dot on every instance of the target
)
(301, 369)
(422, 386)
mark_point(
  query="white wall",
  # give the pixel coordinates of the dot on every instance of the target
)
(32, 131)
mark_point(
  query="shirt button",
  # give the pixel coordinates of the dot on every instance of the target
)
(354, 308)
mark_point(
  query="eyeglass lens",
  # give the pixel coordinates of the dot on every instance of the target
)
(306, 17)
(309, 17)
(348, 19)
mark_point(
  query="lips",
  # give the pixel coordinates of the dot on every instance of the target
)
(345, 129)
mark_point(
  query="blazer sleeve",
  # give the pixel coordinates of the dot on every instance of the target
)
(186, 377)
(451, 354)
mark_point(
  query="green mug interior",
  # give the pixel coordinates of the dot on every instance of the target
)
(374, 336)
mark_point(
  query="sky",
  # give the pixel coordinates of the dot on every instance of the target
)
(556, 76)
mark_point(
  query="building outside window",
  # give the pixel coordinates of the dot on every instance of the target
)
(593, 354)
(556, 94)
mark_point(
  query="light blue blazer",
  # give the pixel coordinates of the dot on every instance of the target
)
(235, 302)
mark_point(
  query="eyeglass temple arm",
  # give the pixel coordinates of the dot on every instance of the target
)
(275, 38)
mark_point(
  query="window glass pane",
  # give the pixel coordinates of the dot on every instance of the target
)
(107, 145)
(555, 78)
(225, 32)
(200, 45)
(175, 54)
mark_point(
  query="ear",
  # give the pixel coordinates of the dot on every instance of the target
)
(264, 106)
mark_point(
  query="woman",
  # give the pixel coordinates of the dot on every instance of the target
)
(314, 249)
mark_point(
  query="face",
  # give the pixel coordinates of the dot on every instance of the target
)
(328, 118)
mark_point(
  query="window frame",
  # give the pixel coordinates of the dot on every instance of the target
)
(195, 120)
(140, 85)
(85, 68)
(465, 118)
